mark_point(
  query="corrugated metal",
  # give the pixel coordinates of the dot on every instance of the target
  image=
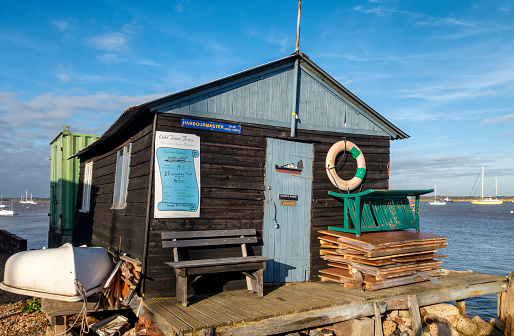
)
(287, 243)
(64, 178)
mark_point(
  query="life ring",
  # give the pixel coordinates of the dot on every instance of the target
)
(330, 164)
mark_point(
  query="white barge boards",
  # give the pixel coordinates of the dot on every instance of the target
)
(305, 305)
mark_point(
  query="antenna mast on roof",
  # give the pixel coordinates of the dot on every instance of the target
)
(297, 50)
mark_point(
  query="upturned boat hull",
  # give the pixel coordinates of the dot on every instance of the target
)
(51, 273)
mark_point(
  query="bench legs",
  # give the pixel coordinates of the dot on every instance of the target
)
(181, 287)
(254, 281)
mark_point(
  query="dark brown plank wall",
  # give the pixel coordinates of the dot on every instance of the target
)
(327, 211)
(232, 194)
(107, 227)
(232, 190)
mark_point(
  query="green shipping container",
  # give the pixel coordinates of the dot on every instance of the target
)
(64, 182)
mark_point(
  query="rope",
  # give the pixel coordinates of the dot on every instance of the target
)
(342, 159)
(84, 326)
(475, 184)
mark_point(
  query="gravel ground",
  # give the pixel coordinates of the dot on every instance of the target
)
(13, 321)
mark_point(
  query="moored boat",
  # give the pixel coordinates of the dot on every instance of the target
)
(51, 273)
(436, 201)
(26, 200)
(8, 211)
(488, 200)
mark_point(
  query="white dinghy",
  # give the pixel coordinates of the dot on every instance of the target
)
(51, 273)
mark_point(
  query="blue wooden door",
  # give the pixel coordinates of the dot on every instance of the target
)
(287, 215)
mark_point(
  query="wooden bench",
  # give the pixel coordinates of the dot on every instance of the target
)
(251, 266)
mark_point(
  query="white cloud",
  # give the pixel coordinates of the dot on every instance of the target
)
(179, 8)
(63, 77)
(497, 120)
(27, 127)
(61, 26)
(111, 42)
(110, 58)
(46, 109)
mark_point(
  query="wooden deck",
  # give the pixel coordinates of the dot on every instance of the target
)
(305, 305)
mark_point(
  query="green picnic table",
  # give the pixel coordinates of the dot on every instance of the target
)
(379, 210)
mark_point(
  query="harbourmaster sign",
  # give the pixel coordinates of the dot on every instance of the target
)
(209, 125)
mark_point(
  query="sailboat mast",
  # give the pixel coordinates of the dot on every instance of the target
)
(482, 182)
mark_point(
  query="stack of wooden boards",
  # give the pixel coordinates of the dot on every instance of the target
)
(120, 285)
(377, 260)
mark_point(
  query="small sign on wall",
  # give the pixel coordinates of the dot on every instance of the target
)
(177, 175)
(288, 203)
(211, 126)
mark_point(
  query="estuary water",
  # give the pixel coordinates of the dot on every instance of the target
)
(480, 238)
(32, 223)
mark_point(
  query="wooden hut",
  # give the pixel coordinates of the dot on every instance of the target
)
(252, 155)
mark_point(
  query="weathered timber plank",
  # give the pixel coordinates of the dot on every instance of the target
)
(336, 314)
(191, 317)
(246, 313)
(205, 307)
(213, 233)
(166, 321)
(506, 306)
(209, 242)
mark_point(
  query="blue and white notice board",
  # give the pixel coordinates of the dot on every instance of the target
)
(177, 175)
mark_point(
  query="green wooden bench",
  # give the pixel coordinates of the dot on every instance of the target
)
(379, 210)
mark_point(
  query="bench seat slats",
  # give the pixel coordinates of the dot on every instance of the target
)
(206, 234)
(217, 262)
(209, 242)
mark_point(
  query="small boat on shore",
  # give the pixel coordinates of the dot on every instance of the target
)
(51, 273)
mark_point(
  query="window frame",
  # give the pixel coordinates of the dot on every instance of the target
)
(121, 177)
(86, 187)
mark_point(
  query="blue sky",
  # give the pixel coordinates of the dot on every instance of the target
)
(442, 71)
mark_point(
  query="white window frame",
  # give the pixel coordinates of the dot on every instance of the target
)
(121, 179)
(86, 187)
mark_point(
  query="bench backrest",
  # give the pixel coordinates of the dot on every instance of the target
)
(176, 239)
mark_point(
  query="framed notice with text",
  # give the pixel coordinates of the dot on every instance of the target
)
(177, 175)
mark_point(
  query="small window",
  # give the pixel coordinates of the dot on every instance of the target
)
(86, 190)
(122, 177)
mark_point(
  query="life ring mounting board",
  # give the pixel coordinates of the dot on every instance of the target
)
(330, 165)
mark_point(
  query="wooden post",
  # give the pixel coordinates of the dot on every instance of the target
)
(378, 321)
(60, 325)
(461, 306)
(506, 306)
(415, 315)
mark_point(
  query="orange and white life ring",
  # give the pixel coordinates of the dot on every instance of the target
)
(330, 164)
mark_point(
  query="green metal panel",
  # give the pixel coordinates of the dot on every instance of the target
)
(64, 178)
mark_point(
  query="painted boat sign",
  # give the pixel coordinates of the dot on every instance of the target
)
(177, 175)
(210, 125)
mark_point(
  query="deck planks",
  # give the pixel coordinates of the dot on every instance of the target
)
(306, 304)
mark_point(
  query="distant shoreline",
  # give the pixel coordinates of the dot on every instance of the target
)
(463, 198)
